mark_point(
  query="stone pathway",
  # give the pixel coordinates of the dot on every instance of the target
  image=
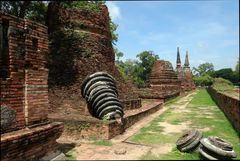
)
(123, 149)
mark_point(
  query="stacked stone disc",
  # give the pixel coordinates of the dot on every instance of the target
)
(100, 91)
(189, 141)
(215, 148)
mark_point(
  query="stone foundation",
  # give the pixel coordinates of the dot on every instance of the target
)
(92, 128)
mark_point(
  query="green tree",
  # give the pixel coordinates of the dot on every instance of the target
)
(147, 59)
(118, 54)
(203, 80)
(33, 10)
(130, 65)
(113, 29)
(17, 8)
(226, 73)
(38, 12)
(237, 68)
(142, 68)
(205, 68)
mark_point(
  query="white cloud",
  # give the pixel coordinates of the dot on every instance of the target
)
(114, 10)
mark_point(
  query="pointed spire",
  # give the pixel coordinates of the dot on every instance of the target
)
(186, 64)
(178, 57)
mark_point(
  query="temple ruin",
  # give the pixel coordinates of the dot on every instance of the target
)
(26, 132)
(184, 73)
(42, 70)
(81, 45)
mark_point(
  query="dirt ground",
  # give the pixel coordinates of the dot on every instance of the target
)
(122, 148)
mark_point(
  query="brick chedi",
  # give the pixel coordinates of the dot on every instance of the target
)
(26, 132)
(188, 82)
(163, 80)
(80, 45)
(184, 73)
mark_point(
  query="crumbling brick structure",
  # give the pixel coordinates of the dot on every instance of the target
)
(81, 45)
(184, 73)
(26, 132)
(163, 82)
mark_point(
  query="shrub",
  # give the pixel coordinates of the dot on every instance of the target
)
(204, 80)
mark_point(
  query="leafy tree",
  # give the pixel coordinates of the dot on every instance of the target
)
(130, 65)
(147, 59)
(38, 12)
(205, 68)
(121, 68)
(226, 73)
(204, 80)
(34, 10)
(17, 8)
(237, 67)
(141, 69)
(113, 28)
(118, 54)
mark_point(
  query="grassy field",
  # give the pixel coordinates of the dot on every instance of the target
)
(202, 114)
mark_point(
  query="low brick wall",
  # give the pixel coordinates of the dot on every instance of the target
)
(131, 104)
(99, 129)
(230, 106)
(30, 143)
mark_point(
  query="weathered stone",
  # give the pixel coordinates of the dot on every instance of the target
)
(120, 151)
(8, 117)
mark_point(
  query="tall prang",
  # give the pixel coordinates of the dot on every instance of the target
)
(178, 67)
(184, 73)
(186, 64)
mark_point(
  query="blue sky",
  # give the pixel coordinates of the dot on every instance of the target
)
(209, 30)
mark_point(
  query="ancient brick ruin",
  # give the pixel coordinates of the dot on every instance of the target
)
(184, 73)
(81, 45)
(163, 82)
(26, 132)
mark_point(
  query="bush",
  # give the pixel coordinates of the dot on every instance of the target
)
(204, 80)
(222, 84)
(226, 73)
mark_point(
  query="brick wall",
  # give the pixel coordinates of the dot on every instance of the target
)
(26, 132)
(12, 68)
(230, 106)
(25, 88)
(33, 143)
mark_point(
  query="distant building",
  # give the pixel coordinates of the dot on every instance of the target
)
(184, 73)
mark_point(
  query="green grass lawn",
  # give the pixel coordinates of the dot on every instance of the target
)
(203, 114)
